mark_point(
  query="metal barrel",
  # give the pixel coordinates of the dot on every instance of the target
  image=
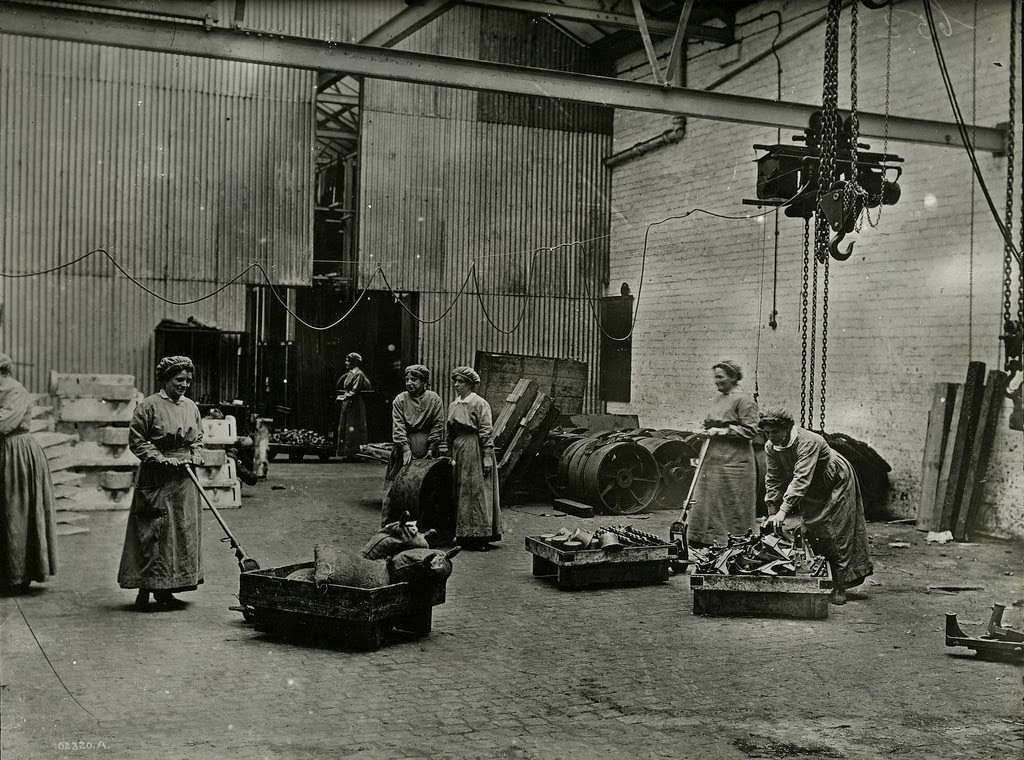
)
(423, 488)
(675, 468)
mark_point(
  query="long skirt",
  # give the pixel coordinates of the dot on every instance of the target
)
(28, 534)
(352, 432)
(725, 496)
(836, 524)
(478, 507)
(163, 541)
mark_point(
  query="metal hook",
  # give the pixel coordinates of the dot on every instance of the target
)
(833, 247)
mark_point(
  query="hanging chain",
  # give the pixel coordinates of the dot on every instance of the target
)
(824, 340)
(853, 190)
(813, 339)
(885, 121)
(829, 117)
(1014, 70)
(1010, 157)
(803, 324)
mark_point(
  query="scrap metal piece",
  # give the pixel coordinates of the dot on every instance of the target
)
(987, 646)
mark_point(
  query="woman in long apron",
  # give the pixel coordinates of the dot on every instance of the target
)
(162, 545)
(28, 536)
(474, 471)
(725, 495)
(807, 477)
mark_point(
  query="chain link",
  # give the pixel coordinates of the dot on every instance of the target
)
(1010, 158)
(803, 323)
(829, 117)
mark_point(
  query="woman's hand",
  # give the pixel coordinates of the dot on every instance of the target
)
(777, 519)
(196, 460)
(406, 456)
(488, 464)
(717, 431)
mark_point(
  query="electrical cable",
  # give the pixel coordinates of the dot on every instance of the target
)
(50, 663)
(962, 130)
(132, 279)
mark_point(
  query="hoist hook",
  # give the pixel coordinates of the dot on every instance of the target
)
(833, 247)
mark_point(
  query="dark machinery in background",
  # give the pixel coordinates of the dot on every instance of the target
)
(787, 175)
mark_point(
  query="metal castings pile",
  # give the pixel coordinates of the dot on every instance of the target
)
(610, 538)
(299, 437)
(773, 554)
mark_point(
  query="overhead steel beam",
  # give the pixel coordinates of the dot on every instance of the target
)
(604, 18)
(403, 24)
(404, 66)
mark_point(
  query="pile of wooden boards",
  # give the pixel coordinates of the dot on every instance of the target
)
(521, 427)
(82, 425)
(961, 427)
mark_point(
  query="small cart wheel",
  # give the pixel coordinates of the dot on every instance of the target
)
(295, 456)
(325, 456)
(271, 455)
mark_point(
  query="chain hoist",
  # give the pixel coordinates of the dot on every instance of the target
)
(803, 324)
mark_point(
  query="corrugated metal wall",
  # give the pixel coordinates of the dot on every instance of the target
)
(184, 169)
(345, 21)
(442, 187)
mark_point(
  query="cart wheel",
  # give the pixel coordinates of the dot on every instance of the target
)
(295, 456)
(324, 456)
(248, 614)
(271, 456)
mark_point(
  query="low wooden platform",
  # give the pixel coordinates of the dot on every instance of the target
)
(352, 618)
(799, 596)
(632, 566)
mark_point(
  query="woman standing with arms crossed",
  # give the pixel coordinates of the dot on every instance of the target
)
(162, 545)
(28, 536)
(725, 496)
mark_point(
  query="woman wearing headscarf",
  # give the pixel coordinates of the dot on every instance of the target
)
(162, 544)
(28, 536)
(417, 428)
(474, 470)
(352, 416)
(807, 477)
(725, 495)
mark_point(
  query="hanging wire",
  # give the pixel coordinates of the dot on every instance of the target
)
(962, 129)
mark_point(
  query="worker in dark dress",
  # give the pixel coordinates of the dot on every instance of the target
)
(417, 428)
(352, 431)
(28, 534)
(162, 545)
(808, 478)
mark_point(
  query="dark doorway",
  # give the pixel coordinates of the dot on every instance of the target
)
(311, 361)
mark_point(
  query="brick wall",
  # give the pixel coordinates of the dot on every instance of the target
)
(917, 301)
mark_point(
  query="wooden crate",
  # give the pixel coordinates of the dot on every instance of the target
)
(352, 617)
(799, 596)
(632, 566)
(564, 380)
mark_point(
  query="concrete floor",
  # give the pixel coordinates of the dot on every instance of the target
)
(514, 668)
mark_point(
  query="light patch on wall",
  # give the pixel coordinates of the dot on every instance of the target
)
(930, 201)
